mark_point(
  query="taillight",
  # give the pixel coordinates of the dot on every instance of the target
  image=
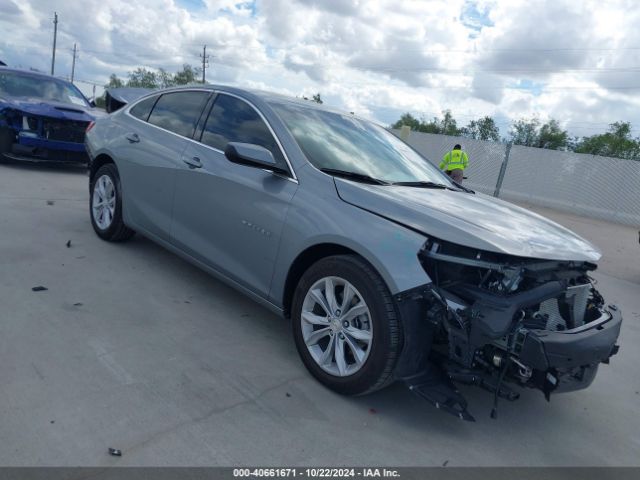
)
(89, 127)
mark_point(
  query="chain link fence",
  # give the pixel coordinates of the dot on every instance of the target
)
(587, 185)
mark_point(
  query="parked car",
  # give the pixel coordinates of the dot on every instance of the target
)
(42, 118)
(388, 270)
(116, 98)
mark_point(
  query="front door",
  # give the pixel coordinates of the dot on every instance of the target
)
(227, 215)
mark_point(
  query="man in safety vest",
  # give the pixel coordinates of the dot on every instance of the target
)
(454, 163)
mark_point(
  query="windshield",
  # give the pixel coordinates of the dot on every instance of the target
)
(17, 85)
(343, 142)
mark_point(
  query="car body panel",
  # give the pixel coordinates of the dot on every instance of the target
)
(63, 111)
(473, 278)
(116, 98)
(473, 220)
(238, 238)
(49, 144)
(56, 129)
(148, 173)
(317, 216)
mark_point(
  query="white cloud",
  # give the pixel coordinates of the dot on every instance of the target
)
(573, 61)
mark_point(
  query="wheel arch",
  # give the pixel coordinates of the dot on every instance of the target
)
(98, 162)
(308, 257)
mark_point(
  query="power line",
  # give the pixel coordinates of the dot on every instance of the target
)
(91, 82)
(205, 57)
(389, 70)
(444, 50)
(375, 68)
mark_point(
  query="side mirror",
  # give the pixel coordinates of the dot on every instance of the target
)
(252, 156)
(92, 103)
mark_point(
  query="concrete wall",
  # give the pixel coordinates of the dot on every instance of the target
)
(588, 185)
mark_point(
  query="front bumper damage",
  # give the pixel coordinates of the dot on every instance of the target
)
(500, 322)
(44, 139)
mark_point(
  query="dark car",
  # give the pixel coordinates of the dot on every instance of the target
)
(42, 118)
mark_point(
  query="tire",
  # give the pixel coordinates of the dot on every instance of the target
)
(377, 327)
(105, 190)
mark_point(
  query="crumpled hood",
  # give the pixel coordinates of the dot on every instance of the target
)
(37, 106)
(473, 220)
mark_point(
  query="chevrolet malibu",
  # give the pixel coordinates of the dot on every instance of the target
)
(388, 270)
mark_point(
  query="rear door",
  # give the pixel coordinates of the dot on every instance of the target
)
(157, 132)
(227, 215)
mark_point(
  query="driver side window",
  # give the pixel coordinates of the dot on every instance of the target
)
(233, 120)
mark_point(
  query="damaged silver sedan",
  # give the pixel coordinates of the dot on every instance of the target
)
(388, 270)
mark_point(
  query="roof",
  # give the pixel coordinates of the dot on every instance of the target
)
(254, 94)
(263, 95)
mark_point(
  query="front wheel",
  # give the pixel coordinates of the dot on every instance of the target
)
(345, 325)
(105, 205)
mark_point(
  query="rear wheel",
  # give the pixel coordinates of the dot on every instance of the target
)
(105, 205)
(345, 325)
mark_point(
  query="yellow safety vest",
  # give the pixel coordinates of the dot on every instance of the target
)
(453, 160)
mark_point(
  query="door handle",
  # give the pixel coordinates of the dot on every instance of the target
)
(193, 162)
(133, 138)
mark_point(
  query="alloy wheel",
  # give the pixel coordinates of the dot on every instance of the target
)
(336, 326)
(103, 206)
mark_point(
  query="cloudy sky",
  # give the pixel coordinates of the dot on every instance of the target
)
(576, 61)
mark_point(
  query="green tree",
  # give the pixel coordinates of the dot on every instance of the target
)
(531, 134)
(143, 78)
(448, 124)
(146, 78)
(165, 79)
(101, 102)
(188, 75)
(483, 129)
(617, 142)
(551, 136)
(409, 120)
(525, 132)
(114, 82)
(432, 126)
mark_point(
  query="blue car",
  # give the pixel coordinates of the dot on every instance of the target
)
(42, 118)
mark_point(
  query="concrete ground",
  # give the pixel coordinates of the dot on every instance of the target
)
(131, 347)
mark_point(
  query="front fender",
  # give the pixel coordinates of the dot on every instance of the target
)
(390, 248)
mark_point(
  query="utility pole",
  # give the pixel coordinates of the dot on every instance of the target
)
(55, 37)
(73, 64)
(205, 63)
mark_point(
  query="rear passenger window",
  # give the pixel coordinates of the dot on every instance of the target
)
(232, 120)
(178, 112)
(142, 109)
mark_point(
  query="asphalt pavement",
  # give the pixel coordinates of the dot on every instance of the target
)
(133, 348)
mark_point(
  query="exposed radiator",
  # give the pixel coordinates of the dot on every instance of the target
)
(573, 304)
